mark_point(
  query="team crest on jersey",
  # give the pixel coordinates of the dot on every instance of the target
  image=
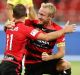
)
(34, 32)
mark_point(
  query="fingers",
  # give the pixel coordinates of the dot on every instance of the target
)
(44, 56)
(9, 24)
(70, 27)
(44, 53)
(67, 23)
(74, 28)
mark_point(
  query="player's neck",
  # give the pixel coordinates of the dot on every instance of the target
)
(48, 24)
(20, 20)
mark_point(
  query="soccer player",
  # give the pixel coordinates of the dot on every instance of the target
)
(15, 41)
(40, 59)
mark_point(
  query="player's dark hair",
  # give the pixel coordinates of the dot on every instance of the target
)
(19, 11)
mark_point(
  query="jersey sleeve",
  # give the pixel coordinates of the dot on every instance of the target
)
(27, 2)
(29, 22)
(12, 2)
(24, 2)
(32, 33)
(61, 41)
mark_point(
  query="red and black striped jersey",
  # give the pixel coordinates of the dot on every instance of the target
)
(36, 47)
(16, 37)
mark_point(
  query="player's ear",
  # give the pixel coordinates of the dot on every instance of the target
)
(50, 16)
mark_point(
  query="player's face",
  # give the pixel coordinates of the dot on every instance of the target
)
(43, 15)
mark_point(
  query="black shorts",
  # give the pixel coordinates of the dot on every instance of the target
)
(9, 68)
(45, 67)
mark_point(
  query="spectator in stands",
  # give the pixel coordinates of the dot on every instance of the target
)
(3, 16)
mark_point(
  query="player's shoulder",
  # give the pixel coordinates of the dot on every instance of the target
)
(29, 22)
(57, 26)
(27, 2)
(20, 24)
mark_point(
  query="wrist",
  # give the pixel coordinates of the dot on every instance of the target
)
(52, 56)
(64, 31)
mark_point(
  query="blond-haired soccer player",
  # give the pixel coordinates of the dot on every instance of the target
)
(40, 58)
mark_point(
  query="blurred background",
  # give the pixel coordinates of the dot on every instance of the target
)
(66, 10)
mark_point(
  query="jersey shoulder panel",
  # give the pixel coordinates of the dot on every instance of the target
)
(13, 2)
(56, 26)
(27, 2)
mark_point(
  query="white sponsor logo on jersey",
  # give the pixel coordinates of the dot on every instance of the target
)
(34, 32)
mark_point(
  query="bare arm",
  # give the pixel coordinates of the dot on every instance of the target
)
(10, 12)
(56, 34)
(51, 35)
(59, 54)
(32, 13)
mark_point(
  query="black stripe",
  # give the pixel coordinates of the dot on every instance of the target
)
(33, 51)
(42, 45)
(31, 58)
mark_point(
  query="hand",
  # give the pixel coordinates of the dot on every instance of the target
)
(9, 24)
(46, 56)
(69, 27)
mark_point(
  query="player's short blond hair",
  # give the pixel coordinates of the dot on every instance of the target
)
(50, 6)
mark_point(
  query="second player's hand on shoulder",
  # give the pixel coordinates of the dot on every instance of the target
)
(9, 24)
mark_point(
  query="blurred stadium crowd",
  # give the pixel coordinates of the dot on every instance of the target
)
(66, 10)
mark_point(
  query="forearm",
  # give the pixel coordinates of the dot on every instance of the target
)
(51, 35)
(60, 53)
(54, 35)
(57, 55)
(47, 57)
(10, 11)
(32, 13)
(57, 34)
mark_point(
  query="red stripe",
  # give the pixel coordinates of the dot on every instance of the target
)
(32, 62)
